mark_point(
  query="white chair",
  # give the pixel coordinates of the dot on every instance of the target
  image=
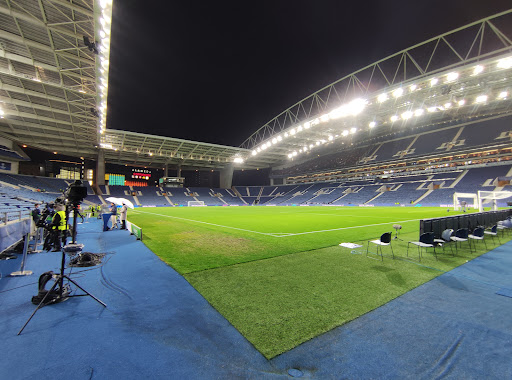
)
(385, 239)
(426, 241)
(461, 235)
(493, 232)
(477, 235)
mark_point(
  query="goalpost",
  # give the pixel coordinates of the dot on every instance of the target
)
(486, 196)
(456, 196)
(196, 203)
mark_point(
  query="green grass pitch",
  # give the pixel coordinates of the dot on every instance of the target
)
(279, 275)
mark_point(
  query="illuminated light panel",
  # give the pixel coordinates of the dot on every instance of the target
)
(432, 109)
(294, 153)
(393, 118)
(447, 105)
(330, 138)
(461, 102)
(324, 118)
(338, 112)
(353, 130)
(292, 131)
(503, 95)
(433, 81)
(398, 92)
(382, 98)
(419, 112)
(315, 122)
(289, 155)
(412, 87)
(305, 149)
(372, 124)
(299, 128)
(344, 133)
(258, 149)
(286, 134)
(274, 140)
(307, 125)
(317, 143)
(254, 153)
(279, 138)
(356, 106)
(407, 115)
(505, 63)
(478, 69)
(452, 76)
(481, 99)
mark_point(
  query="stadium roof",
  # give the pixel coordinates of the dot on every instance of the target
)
(54, 63)
(462, 74)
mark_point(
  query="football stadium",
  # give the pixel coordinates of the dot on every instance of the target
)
(362, 233)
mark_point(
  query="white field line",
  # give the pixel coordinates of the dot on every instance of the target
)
(342, 228)
(278, 234)
(211, 224)
(352, 216)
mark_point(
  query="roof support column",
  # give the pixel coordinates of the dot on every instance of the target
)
(226, 177)
(100, 168)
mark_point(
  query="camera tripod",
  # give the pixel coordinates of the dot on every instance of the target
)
(63, 292)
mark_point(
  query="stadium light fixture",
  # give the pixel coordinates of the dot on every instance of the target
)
(238, 160)
(344, 133)
(337, 112)
(419, 112)
(450, 77)
(433, 82)
(324, 118)
(356, 106)
(330, 138)
(382, 98)
(353, 130)
(407, 115)
(317, 143)
(447, 105)
(254, 153)
(393, 118)
(478, 69)
(481, 99)
(461, 102)
(432, 109)
(505, 63)
(398, 92)
(315, 122)
(274, 140)
(292, 131)
(372, 124)
(307, 125)
(279, 138)
(503, 95)
(299, 128)
(289, 155)
(286, 134)
(412, 87)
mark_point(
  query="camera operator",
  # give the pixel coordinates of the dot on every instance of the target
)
(58, 228)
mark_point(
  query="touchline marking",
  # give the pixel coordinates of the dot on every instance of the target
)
(342, 228)
(211, 224)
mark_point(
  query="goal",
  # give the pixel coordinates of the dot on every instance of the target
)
(196, 203)
(491, 196)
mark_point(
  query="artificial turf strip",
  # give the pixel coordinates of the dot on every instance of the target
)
(284, 301)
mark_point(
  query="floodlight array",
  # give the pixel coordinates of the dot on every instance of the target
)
(103, 27)
(401, 110)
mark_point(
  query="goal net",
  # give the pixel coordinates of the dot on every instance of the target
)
(491, 196)
(196, 203)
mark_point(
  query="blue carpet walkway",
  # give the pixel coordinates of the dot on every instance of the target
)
(156, 326)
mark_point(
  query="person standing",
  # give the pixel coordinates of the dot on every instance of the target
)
(113, 212)
(36, 214)
(58, 227)
(124, 213)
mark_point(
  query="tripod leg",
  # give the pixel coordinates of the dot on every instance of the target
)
(86, 292)
(39, 306)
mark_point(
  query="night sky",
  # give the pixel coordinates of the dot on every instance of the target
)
(215, 71)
